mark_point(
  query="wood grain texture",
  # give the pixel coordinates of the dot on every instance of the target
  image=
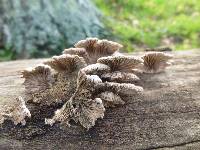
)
(165, 116)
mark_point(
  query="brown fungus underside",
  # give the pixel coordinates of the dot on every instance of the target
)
(155, 62)
(96, 48)
(86, 80)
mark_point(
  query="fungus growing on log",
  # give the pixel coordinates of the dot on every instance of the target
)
(81, 107)
(38, 79)
(121, 68)
(83, 82)
(62, 82)
(81, 52)
(16, 112)
(66, 63)
(97, 69)
(110, 99)
(120, 77)
(98, 48)
(155, 62)
(121, 63)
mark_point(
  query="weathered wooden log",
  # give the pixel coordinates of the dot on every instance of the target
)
(165, 116)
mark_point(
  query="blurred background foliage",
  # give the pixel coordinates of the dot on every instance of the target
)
(44, 28)
(153, 23)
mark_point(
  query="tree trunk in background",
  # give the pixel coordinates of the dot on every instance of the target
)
(44, 27)
(166, 116)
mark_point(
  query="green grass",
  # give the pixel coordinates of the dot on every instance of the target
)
(6, 54)
(152, 23)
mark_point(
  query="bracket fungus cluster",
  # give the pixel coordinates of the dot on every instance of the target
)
(86, 81)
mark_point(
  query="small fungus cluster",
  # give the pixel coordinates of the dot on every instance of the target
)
(86, 80)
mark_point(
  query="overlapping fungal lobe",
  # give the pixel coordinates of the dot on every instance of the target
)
(121, 88)
(98, 48)
(121, 68)
(110, 99)
(121, 63)
(16, 112)
(66, 63)
(60, 83)
(119, 81)
(96, 69)
(120, 77)
(81, 52)
(82, 107)
(37, 79)
(155, 62)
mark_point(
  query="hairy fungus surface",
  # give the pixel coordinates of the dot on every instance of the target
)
(97, 69)
(120, 77)
(155, 62)
(16, 112)
(81, 107)
(85, 80)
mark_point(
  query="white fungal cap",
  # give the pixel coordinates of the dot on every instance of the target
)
(110, 99)
(84, 80)
(16, 112)
(121, 63)
(123, 88)
(98, 48)
(155, 62)
(94, 78)
(37, 79)
(120, 77)
(66, 62)
(96, 69)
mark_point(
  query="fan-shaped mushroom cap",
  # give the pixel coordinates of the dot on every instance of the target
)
(155, 62)
(77, 51)
(110, 99)
(120, 77)
(37, 79)
(98, 48)
(88, 44)
(121, 63)
(66, 62)
(16, 112)
(96, 69)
